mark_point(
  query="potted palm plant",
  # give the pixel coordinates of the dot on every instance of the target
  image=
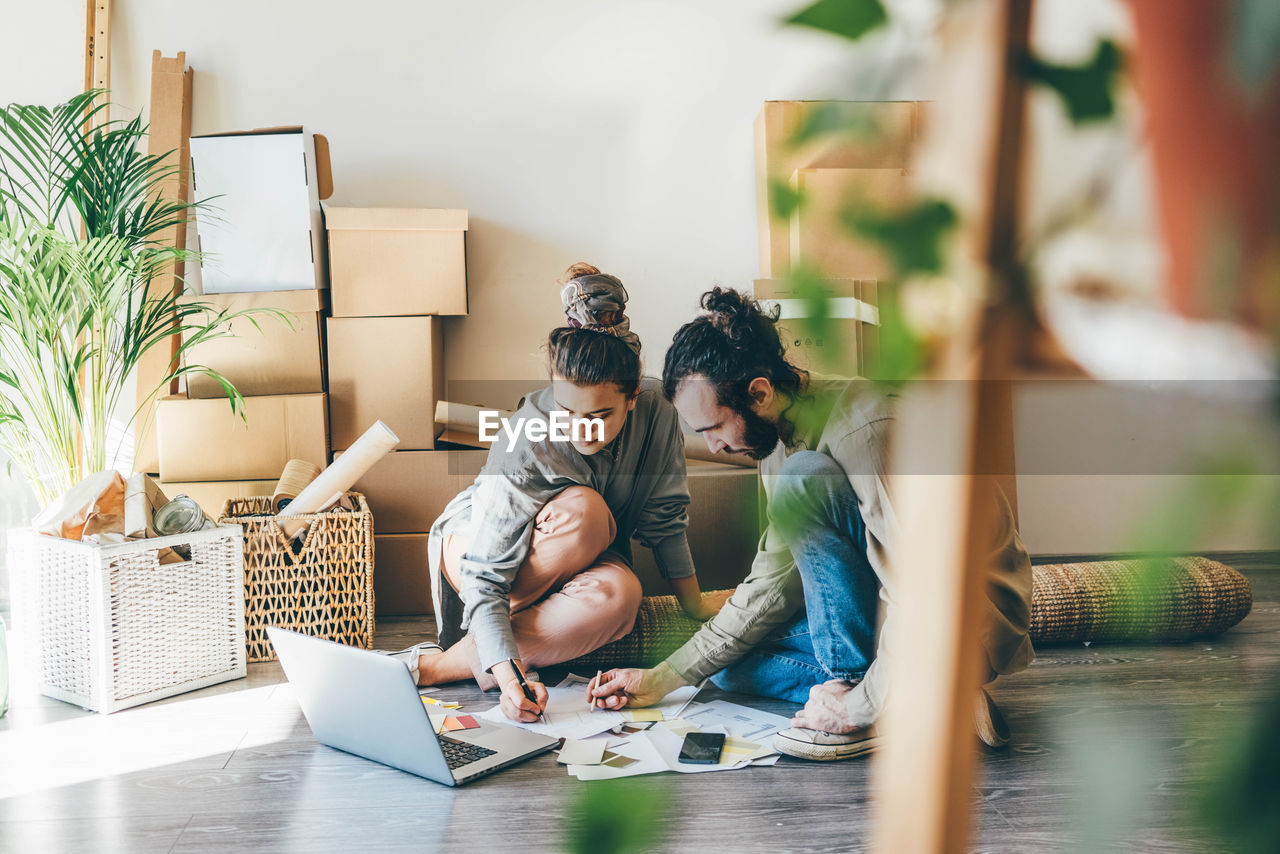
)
(81, 227)
(84, 230)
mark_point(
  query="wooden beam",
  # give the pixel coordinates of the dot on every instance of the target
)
(923, 778)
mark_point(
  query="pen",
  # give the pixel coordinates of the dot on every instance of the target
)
(524, 686)
(591, 700)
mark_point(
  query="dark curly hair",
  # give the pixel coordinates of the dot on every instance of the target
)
(731, 343)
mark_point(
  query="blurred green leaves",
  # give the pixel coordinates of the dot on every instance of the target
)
(850, 19)
(912, 237)
(1087, 90)
(1244, 807)
(617, 816)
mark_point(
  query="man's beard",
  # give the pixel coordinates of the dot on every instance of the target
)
(760, 435)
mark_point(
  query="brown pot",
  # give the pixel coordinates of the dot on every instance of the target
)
(1216, 164)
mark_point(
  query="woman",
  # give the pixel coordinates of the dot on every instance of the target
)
(539, 547)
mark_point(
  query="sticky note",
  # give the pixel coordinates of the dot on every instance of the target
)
(641, 715)
(582, 752)
(617, 760)
(444, 704)
(453, 724)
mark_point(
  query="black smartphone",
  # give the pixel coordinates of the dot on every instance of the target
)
(701, 748)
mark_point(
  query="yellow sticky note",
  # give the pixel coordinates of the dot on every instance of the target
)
(444, 704)
(643, 715)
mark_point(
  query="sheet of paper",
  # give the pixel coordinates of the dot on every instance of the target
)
(567, 713)
(644, 756)
(750, 724)
(580, 752)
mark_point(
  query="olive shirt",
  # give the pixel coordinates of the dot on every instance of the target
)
(849, 421)
(640, 474)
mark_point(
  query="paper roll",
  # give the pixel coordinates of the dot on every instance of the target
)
(296, 476)
(333, 482)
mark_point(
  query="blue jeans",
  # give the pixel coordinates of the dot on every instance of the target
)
(815, 511)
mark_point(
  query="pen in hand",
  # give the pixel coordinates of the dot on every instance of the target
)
(591, 697)
(524, 686)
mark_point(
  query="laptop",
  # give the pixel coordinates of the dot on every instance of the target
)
(364, 703)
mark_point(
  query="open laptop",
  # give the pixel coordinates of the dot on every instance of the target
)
(364, 703)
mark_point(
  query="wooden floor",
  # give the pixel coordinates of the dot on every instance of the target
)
(1112, 746)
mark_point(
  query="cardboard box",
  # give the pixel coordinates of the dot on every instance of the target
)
(169, 133)
(263, 356)
(884, 134)
(266, 232)
(204, 440)
(835, 347)
(407, 490)
(397, 261)
(401, 575)
(724, 528)
(388, 368)
(819, 237)
(214, 494)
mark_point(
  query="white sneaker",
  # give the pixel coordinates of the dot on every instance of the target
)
(825, 746)
(410, 655)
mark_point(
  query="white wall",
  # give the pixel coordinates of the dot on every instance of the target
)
(613, 132)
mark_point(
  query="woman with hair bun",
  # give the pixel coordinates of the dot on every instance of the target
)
(539, 547)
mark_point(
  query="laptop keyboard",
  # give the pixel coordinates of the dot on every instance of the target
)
(459, 753)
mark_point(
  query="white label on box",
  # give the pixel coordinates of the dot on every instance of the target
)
(838, 308)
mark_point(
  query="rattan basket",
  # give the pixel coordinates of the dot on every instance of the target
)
(111, 627)
(324, 590)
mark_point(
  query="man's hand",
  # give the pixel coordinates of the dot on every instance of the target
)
(827, 709)
(516, 706)
(633, 687)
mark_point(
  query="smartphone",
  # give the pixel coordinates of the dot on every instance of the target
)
(701, 748)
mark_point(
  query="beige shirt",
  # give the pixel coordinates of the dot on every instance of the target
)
(849, 420)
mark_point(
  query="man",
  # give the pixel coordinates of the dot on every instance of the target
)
(803, 625)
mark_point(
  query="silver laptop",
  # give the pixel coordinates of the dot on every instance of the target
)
(364, 703)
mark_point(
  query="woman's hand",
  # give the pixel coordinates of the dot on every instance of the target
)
(633, 687)
(698, 605)
(708, 605)
(517, 707)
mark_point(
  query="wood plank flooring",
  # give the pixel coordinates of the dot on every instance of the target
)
(1113, 745)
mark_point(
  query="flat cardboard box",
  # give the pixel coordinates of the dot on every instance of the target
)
(388, 368)
(397, 261)
(407, 490)
(724, 528)
(169, 134)
(837, 347)
(401, 577)
(204, 440)
(213, 495)
(263, 355)
(819, 237)
(889, 130)
(265, 232)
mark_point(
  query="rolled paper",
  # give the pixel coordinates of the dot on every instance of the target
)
(296, 476)
(332, 483)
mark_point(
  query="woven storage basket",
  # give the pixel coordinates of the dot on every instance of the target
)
(111, 627)
(326, 590)
(1116, 600)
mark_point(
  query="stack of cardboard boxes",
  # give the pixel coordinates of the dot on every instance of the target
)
(394, 273)
(273, 258)
(865, 164)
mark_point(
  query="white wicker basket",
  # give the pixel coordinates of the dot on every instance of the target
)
(111, 627)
